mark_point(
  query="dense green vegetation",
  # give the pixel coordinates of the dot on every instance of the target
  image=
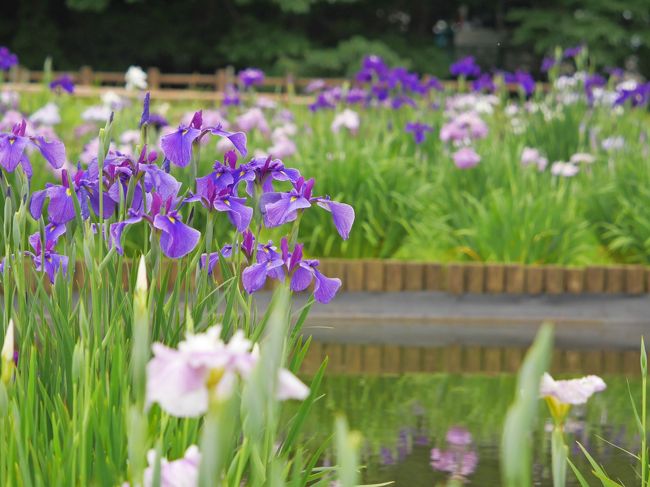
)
(314, 37)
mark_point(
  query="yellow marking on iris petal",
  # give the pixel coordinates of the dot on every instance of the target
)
(214, 377)
(184, 131)
(68, 192)
(227, 202)
(172, 219)
(292, 199)
(242, 172)
(11, 141)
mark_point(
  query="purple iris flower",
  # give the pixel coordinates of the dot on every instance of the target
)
(144, 118)
(231, 96)
(484, 83)
(324, 100)
(548, 63)
(247, 247)
(639, 96)
(523, 79)
(176, 239)
(177, 146)
(44, 258)
(466, 67)
(280, 208)
(251, 76)
(61, 207)
(375, 64)
(266, 171)
(399, 101)
(591, 82)
(433, 83)
(7, 59)
(572, 52)
(63, 82)
(315, 86)
(615, 72)
(356, 95)
(300, 272)
(121, 170)
(158, 121)
(380, 91)
(218, 191)
(419, 130)
(13, 145)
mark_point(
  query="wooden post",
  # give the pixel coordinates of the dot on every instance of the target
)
(515, 279)
(476, 278)
(394, 277)
(413, 276)
(495, 278)
(634, 279)
(554, 280)
(153, 78)
(374, 275)
(86, 75)
(354, 275)
(433, 277)
(456, 278)
(534, 280)
(614, 280)
(220, 80)
(575, 280)
(595, 280)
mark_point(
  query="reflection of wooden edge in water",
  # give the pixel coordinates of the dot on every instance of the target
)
(392, 359)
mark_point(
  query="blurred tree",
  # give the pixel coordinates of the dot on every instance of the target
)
(612, 29)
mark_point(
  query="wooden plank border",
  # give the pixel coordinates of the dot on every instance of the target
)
(458, 278)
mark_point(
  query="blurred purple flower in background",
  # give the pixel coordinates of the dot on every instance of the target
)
(572, 52)
(63, 83)
(484, 83)
(419, 130)
(251, 77)
(466, 67)
(466, 158)
(7, 59)
(547, 64)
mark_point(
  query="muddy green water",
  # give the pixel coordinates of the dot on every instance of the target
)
(403, 418)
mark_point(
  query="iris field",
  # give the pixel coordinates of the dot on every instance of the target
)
(124, 362)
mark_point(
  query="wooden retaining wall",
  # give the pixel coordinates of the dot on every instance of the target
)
(469, 278)
(479, 278)
(392, 359)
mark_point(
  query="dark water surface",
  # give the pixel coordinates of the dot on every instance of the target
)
(403, 418)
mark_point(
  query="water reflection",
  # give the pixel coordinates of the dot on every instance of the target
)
(443, 430)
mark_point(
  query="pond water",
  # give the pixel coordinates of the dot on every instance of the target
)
(403, 418)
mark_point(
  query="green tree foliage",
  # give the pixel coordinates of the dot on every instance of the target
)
(613, 29)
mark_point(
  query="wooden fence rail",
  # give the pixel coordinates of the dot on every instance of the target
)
(217, 81)
(394, 359)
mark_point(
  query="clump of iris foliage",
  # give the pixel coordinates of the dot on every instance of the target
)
(143, 369)
(500, 168)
